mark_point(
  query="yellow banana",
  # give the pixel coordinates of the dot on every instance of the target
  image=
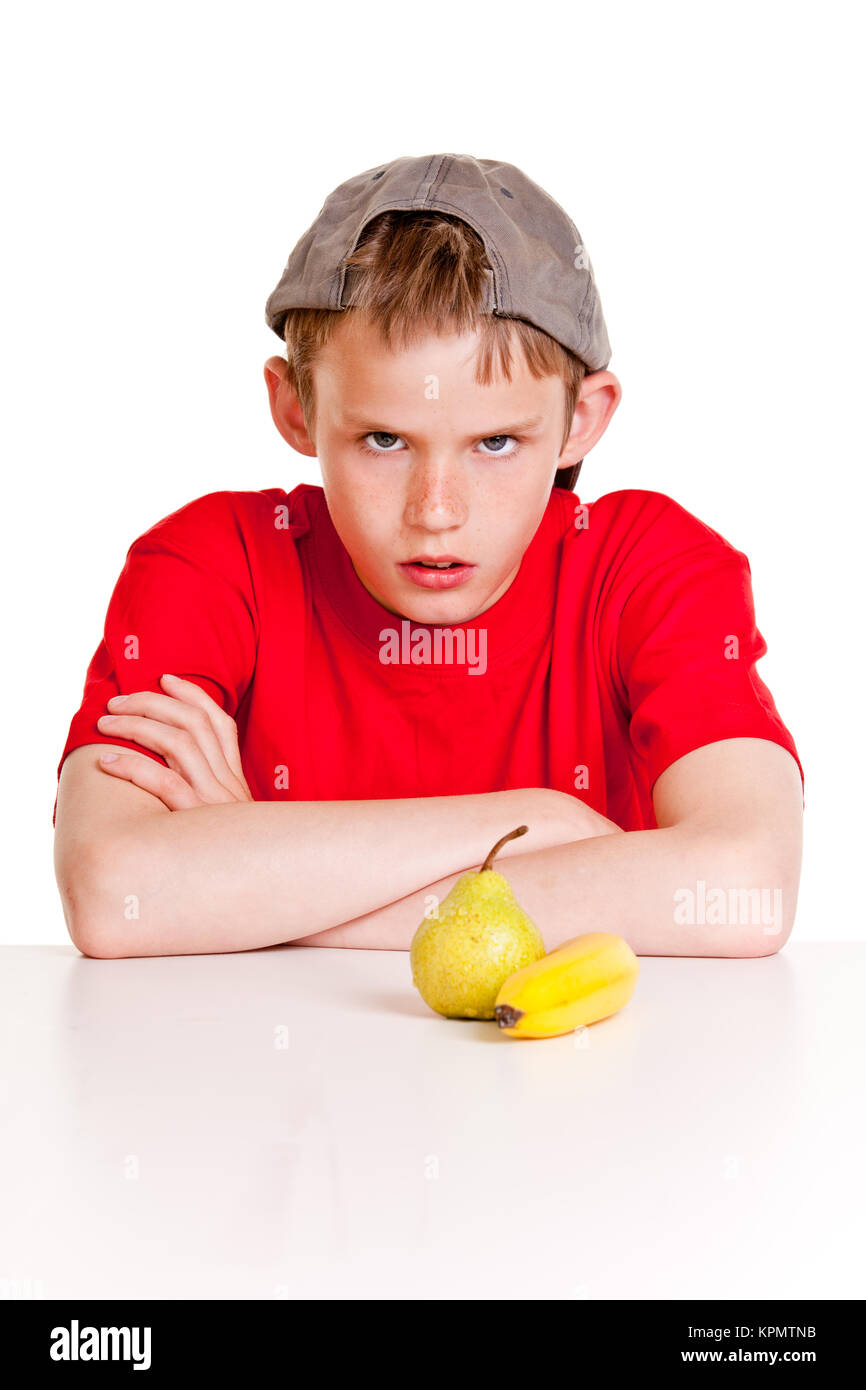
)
(584, 980)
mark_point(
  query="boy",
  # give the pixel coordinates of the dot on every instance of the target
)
(336, 700)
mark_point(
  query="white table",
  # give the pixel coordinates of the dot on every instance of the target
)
(295, 1122)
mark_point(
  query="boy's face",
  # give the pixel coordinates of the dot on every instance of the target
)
(418, 460)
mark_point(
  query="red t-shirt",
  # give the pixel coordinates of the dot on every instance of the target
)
(627, 638)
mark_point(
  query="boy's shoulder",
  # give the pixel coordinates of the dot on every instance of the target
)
(215, 516)
(634, 518)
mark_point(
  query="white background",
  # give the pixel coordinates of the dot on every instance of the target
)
(160, 163)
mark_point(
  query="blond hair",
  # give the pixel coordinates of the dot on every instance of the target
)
(421, 272)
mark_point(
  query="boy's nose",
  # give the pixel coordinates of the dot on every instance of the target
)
(435, 510)
(436, 496)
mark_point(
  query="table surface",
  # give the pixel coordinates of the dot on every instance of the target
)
(295, 1123)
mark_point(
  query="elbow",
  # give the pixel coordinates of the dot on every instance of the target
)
(765, 909)
(90, 946)
(781, 868)
(745, 899)
(768, 944)
(93, 942)
(90, 907)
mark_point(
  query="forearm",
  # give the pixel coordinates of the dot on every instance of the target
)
(242, 875)
(670, 892)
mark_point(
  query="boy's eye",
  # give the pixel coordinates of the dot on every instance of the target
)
(497, 439)
(377, 436)
(383, 442)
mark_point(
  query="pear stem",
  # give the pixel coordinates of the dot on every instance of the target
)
(512, 835)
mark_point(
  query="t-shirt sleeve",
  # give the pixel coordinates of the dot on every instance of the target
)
(687, 642)
(183, 603)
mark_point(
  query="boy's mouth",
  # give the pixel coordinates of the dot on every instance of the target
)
(437, 571)
(436, 564)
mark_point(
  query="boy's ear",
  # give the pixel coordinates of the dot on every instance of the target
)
(600, 394)
(286, 411)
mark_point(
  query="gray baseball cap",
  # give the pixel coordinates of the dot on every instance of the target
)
(540, 272)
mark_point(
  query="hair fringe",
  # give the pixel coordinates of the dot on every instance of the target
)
(415, 273)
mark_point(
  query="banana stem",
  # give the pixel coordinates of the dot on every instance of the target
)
(512, 835)
(506, 1016)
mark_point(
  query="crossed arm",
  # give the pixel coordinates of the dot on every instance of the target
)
(719, 881)
(181, 860)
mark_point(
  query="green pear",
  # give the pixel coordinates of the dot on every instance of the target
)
(461, 956)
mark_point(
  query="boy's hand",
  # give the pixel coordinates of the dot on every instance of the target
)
(197, 739)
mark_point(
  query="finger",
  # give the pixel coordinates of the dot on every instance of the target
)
(152, 777)
(170, 709)
(223, 725)
(215, 730)
(178, 746)
(185, 714)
